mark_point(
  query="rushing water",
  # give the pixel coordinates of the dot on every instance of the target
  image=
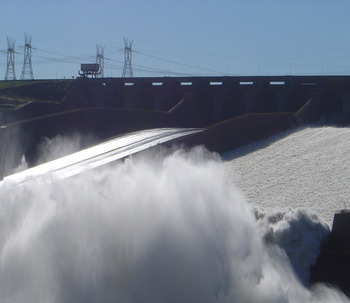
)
(306, 168)
(158, 227)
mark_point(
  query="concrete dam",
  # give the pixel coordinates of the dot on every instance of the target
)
(231, 112)
(213, 99)
(246, 108)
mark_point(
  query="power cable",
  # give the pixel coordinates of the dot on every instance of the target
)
(179, 63)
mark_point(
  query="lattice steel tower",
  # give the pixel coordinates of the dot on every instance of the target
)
(127, 70)
(100, 50)
(27, 71)
(10, 69)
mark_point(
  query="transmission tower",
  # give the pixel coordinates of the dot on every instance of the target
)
(27, 71)
(127, 70)
(100, 59)
(10, 69)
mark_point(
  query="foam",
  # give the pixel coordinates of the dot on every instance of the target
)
(158, 227)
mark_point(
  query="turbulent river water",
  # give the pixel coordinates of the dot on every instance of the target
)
(170, 226)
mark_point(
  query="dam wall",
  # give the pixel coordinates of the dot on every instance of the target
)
(190, 101)
(101, 108)
(213, 99)
(184, 101)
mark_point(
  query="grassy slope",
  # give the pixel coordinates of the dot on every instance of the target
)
(14, 94)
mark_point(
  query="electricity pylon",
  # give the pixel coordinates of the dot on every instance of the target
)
(27, 70)
(10, 69)
(127, 70)
(100, 59)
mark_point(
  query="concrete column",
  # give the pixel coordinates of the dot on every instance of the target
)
(345, 98)
(284, 101)
(167, 95)
(117, 93)
(218, 107)
(138, 95)
(251, 102)
(225, 101)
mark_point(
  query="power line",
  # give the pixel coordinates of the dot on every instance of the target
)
(69, 58)
(127, 68)
(147, 69)
(178, 63)
(64, 58)
(142, 68)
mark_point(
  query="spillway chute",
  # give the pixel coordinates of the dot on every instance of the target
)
(101, 154)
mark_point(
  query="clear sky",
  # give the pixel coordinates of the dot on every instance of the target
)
(177, 37)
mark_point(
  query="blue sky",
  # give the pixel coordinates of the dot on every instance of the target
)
(222, 37)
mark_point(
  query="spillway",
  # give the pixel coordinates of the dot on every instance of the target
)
(304, 168)
(158, 227)
(101, 154)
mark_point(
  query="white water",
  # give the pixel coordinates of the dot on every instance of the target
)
(158, 227)
(307, 168)
(98, 155)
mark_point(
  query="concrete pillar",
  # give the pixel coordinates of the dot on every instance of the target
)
(284, 101)
(117, 93)
(345, 98)
(257, 98)
(285, 98)
(158, 101)
(225, 101)
(218, 107)
(138, 95)
(166, 96)
(251, 102)
(341, 224)
(130, 97)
